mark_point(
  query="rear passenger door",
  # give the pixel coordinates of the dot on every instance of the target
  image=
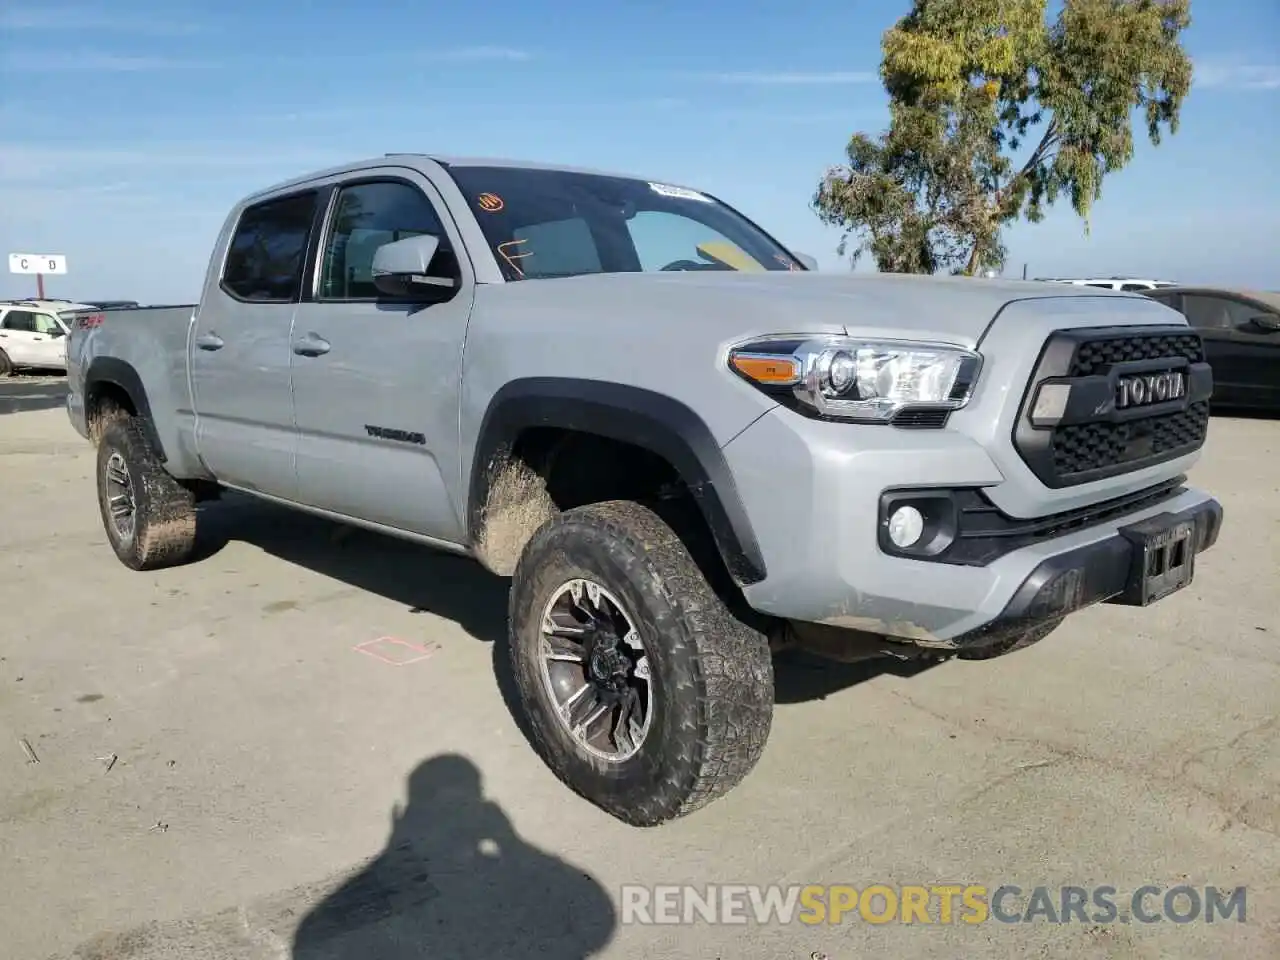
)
(240, 352)
(376, 381)
(17, 336)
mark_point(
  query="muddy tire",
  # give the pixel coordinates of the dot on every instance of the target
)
(150, 519)
(6, 365)
(686, 689)
(1011, 644)
(108, 414)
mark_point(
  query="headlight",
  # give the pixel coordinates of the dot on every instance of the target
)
(866, 381)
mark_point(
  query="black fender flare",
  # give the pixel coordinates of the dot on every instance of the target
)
(650, 420)
(120, 373)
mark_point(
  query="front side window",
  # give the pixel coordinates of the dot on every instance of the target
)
(1211, 313)
(552, 223)
(46, 325)
(265, 258)
(367, 216)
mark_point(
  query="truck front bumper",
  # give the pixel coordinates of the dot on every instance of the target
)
(815, 493)
(1138, 564)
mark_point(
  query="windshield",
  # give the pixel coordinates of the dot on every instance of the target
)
(549, 223)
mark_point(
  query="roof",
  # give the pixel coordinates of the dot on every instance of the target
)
(1270, 298)
(389, 159)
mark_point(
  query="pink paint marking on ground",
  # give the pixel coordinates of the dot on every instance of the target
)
(397, 652)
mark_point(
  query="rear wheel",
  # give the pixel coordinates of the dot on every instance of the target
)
(643, 693)
(150, 518)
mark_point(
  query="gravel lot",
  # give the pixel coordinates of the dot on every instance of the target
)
(233, 762)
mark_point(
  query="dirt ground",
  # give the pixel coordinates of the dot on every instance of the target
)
(299, 748)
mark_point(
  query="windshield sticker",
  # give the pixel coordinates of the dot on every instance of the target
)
(510, 251)
(678, 193)
(490, 202)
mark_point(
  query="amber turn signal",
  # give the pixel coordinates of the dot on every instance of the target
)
(766, 369)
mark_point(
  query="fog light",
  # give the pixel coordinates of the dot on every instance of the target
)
(905, 526)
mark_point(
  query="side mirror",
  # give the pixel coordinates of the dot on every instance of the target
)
(809, 262)
(400, 268)
(1266, 322)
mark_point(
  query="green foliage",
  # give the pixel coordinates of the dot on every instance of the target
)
(996, 112)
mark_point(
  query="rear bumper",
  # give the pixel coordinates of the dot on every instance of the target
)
(1098, 572)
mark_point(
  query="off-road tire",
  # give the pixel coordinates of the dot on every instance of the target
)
(1011, 644)
(102, 418)
(6, 365)
(711, 676)
(164, 532)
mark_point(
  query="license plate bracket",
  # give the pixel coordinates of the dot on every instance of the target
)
(1163, 559)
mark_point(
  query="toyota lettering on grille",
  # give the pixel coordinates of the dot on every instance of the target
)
(1145, 389)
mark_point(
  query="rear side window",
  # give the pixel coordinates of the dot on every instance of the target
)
(20, 320)
(265, 258)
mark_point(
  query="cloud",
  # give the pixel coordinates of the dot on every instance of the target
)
(478, 54)
(71, 19)
(1237, 76)
(102, 63)
(793, 79)
(30, 166)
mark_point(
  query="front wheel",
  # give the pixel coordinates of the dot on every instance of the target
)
(643, 693)
(6, 365)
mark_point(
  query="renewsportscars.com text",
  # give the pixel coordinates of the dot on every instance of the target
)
(934, 903)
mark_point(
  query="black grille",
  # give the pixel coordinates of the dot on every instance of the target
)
(922, 419)
(1095, 440)
(1093, 356)
(1087, 447)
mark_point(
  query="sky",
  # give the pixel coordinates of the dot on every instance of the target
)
(128, 128)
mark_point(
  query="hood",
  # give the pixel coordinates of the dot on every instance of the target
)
(953, 310)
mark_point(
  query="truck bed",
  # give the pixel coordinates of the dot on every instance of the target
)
(153, 341)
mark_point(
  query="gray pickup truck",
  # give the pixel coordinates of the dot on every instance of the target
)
(686, 447)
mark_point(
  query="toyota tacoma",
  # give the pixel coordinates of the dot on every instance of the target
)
(685, 446)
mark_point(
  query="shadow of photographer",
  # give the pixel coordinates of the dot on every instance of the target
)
(456, 881)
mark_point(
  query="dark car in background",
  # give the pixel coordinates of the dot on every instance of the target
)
(1241, 331)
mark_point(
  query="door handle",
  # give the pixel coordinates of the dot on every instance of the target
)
(312, 345)
(210, 341)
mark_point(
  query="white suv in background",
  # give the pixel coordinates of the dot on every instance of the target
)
(33, 333)
(1115, 283)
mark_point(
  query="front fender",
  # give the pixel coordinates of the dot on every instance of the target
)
(647, 419)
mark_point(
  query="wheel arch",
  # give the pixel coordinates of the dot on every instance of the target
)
(110, 378)
(653, 422)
